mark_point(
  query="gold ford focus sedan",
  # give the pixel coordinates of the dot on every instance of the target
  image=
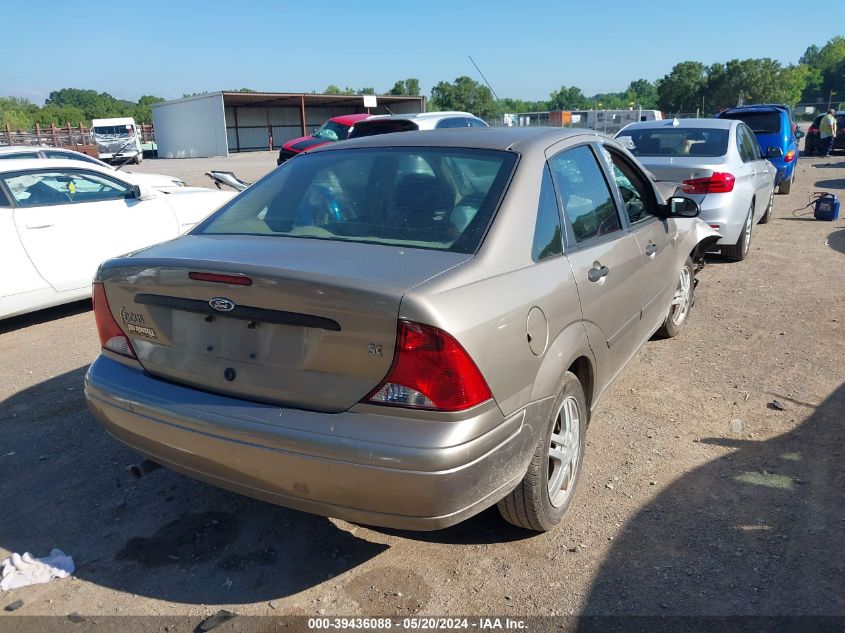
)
(400, 330)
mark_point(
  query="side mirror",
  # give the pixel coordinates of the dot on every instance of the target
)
(799, 134)
(142, 192)
(774, 152)
(681, 207)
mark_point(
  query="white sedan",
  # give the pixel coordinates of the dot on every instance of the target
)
(15, 152)
(59, 219)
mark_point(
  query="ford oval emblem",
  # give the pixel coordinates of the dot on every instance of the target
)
(222, 304)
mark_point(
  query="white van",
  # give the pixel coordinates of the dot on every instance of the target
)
(117, 138)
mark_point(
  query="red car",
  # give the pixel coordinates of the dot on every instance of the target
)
(335, 129)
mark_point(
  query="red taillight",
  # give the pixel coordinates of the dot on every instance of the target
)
(111, 336)
(719, 182)
(790, 156)
(813, 130)
(221, 279)
(430, 371)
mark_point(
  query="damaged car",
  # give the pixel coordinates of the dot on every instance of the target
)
(400, 330)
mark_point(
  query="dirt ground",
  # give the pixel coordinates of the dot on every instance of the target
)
(698, 497)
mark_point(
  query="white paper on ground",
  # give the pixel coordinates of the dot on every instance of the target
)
(24, 570)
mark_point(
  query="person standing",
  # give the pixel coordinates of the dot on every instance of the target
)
(827, 132)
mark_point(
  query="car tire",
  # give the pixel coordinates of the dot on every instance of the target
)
(739, 251)
(682, 302)
(809, 148)
(139, 157)
(785, 186)
(546, 491)
(767, 215)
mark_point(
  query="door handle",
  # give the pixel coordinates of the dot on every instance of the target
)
(651, 249)
(597, 272)
(40, 226)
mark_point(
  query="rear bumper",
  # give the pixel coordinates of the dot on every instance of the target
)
(725, 212)
(368, 466)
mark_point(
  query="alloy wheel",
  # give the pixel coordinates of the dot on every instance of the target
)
(564, 451)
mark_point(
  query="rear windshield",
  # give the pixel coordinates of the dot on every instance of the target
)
(759, 122)
(677, 141)
(433, 198)
(371, 128)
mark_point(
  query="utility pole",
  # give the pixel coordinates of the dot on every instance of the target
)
(830, 98)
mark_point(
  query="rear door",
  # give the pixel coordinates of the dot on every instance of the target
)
(605, 258)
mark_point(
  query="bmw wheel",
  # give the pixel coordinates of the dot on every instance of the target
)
(739, 251)
(682, 302)
(767, 215)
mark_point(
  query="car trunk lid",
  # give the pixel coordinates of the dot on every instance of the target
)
(314, 328)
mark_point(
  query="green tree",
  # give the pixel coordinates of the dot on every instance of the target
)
(642, 92)
(568, 98)
(681, 90)
(367, 91)
(332, 90)
(463, 94)
(18, 114)
(143, 111)
(410, 87)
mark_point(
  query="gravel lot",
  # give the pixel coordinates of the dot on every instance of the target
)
(698, 497)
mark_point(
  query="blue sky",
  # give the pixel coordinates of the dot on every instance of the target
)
(526, 50)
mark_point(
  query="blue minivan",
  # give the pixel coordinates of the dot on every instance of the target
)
(777, 135)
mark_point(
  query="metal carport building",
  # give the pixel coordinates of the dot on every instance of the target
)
(217, 123)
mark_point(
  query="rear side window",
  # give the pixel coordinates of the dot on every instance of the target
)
(71, 156)
(371, 128)
(584, 194)
(473, 122)
(759, 122)
(453, 122)
(547, 233)
(19, 155)
(677, 141)
(438, 198)
(749, 149)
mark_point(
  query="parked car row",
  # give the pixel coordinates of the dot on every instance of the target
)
(397, 329)
(357, 125)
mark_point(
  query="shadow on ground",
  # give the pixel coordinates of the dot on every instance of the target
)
(836, 240)
(65, 485)
(833, 183)
(43, 316)
(759, 531)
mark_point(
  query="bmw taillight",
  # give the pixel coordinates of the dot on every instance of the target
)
(430, 371)
(112, 337)
(790, 156)
(718, 182)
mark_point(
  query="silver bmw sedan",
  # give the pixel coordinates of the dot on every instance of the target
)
(400, 330)
(719, 164)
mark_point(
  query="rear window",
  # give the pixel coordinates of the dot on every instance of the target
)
(371, 128)
(433, 198)
(677, 141)
(759, 122)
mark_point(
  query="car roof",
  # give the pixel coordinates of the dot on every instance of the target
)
(349, 119)
(421, 116)
(27, 164)
(756, 108)
(723, 124)
(499, 138)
